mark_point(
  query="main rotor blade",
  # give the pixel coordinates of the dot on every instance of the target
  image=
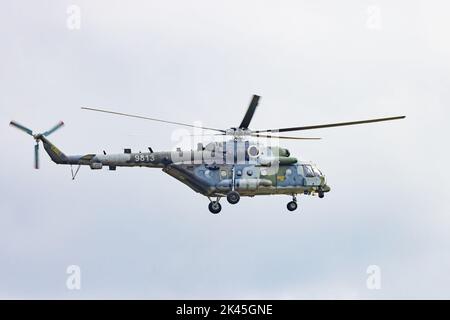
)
(260, 136)
(152, 119)
(36, 156)
(250, 112)
(339, 124)
(56, 127)
(283, 137)
(21, 127)
(205, 135)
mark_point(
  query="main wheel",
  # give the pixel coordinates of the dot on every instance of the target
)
(292, 206)
(321, 194)
(233, 197)
(215, 207)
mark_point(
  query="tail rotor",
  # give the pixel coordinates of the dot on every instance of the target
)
(36, 155)
(37, 137)
(55, 128)
(21, 127)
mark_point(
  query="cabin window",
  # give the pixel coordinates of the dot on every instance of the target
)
(253, 151)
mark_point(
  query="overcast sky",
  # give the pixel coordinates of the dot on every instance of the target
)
(138, 233)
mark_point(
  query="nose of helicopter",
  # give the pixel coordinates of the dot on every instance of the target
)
(326, 188)
(323, 181)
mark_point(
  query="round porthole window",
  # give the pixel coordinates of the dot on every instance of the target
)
(253, 151)
(288, 172)
(223, 173)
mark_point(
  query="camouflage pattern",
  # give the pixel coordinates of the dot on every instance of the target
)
(238, 167)
(216, 169)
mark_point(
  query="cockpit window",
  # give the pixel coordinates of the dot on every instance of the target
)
(308, 170)
(317, 172)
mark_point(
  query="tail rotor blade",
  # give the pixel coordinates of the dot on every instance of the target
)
(56, 127)
(36, 156)
(21, 127)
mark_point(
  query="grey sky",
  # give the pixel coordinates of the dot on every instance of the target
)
(138, 233)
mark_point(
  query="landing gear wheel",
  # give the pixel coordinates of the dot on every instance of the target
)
(321, 194)
(292, 206)
(215, 207)
(233, 197)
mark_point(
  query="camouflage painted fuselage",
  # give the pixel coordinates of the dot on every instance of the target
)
(216, 169)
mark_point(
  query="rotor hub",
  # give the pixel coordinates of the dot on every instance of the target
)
(238, 133)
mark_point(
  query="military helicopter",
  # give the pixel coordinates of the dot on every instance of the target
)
(239, 166)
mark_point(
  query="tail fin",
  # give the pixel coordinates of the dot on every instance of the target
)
(55, 154)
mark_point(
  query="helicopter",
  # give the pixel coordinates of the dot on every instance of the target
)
(241, 166)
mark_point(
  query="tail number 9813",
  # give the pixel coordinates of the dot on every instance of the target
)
(144, 158)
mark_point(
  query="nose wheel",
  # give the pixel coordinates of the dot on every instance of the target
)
(292, 205)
